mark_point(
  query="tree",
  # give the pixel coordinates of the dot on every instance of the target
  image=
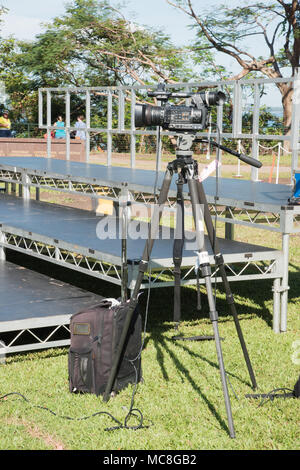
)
(94, 44)
(18, 85)
(229, 30)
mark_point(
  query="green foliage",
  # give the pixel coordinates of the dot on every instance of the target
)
(93, 44)
(18, 85)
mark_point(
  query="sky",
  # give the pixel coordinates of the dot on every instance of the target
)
(25, 19)
(25, 16)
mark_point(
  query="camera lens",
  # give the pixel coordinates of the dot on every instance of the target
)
(139, 115)
(211, 98)
(220, 98)
(147, 115)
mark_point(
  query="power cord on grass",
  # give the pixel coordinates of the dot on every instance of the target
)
(133, 412)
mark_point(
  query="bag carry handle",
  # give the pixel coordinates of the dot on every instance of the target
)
(109, 302)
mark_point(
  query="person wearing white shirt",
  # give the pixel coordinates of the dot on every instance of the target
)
(80, 126)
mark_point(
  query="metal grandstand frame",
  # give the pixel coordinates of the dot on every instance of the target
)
(270, 264)
(264, 207)
(241, 213)
(129, 93)
(243, 263)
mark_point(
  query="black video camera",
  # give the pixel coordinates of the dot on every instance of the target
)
(178, 118)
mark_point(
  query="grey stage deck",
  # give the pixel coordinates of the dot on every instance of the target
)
(27, 294)
(30, 301)
(233, 192)
(75, 229)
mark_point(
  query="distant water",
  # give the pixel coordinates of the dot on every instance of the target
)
(278, 112)
(275, 110)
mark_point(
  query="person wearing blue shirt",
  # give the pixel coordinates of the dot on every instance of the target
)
(60, 132)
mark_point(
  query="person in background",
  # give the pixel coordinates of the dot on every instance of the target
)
(59, 125)
(80, 125)
(5, 125)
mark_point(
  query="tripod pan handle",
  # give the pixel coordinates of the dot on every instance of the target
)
(251, 161)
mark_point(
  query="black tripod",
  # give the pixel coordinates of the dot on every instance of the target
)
(187, 168)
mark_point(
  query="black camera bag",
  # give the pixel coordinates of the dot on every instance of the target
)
(95, 334)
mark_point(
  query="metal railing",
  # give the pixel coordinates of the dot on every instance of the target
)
(119, 103)
(26, 130)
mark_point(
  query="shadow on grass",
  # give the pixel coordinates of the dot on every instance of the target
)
(247, 305)
(254, 297)
(161, 345)
(44, 354)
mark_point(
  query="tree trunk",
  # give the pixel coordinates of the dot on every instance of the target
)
(287, 103)
(142, 144)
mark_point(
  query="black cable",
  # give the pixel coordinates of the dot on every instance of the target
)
(135, 412)
(157, 161)
(132, 361)
(120, 424)
(132, 411)
(288, 393)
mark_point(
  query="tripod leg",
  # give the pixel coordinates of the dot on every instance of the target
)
(220, 263)
(206, 273)
(214, 319)
(199, 306)
(153, 228)
(177, 253)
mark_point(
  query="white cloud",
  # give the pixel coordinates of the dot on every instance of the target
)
(22, 27)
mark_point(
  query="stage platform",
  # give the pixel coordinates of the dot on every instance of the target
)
(35, 309)
(68, 236)
(78, 231)
(88, 179)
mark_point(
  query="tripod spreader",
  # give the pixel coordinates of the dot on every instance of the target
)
(249, 160)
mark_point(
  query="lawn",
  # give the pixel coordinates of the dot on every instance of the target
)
(229, 168)
(181, 397)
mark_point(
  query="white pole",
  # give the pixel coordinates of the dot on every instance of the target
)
(238, 175)
(278, 162)
(208, 138)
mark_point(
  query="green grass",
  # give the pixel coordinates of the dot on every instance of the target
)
(227, 159)
(181, 397)
(229, 165)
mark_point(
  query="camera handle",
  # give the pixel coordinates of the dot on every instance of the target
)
(249, 160)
